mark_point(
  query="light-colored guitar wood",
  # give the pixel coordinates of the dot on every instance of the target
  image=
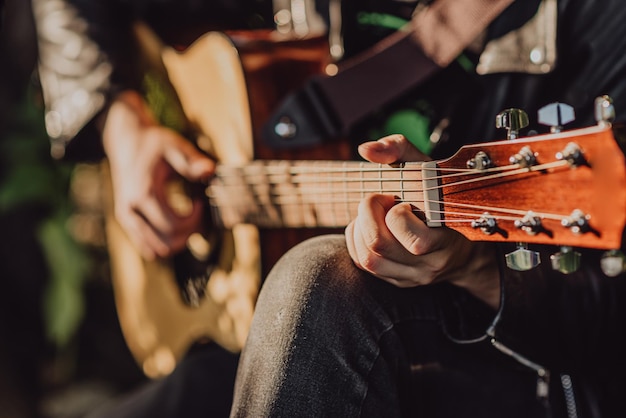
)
(227, 86)
(157, 325)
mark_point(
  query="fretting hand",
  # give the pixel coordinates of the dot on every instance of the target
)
(389, 240)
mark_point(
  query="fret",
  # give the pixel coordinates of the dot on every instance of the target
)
(333, 210)
(285, 194)
(300, 206)
(380, 180)
(346, 194)
(402, 197)
(262, 195)
(362, 184)
(279, 187)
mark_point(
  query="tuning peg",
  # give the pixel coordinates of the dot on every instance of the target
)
(566, 261)
(512, 120)
(522, 259)
(556, 115)
(604, 110)
(613, 263)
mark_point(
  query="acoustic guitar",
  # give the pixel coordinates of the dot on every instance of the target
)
(566, 189)
(227, 86)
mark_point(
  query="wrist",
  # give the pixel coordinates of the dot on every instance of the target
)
(482, 275)
(125, 117)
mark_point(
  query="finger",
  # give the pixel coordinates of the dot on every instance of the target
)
(155, 228)
(391, 149)
(153, 243)
(184, 227)
(414, 235)
(371, 238)
(349, 235)
(168, 210)
(187, 160)
(370, 225)
(390, 271)
(141, 235)
(166, 232)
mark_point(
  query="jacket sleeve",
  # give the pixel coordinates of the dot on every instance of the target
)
(75, 76)
(88, 53)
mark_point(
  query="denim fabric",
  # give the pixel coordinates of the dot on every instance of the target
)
(330, 340)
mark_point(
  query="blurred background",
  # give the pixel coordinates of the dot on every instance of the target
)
(61, 349)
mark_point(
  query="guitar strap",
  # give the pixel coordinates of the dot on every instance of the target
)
(328, 106)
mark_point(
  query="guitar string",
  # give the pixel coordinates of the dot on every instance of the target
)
(256, 177)
(276, 197)
(495, 213)
(301, 177)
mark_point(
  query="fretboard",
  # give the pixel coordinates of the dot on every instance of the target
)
(302, 194)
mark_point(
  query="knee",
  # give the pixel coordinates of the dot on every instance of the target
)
(315, 263)
(314, 256)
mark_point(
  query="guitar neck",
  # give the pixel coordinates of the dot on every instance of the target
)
(564, 189)
(305, 194)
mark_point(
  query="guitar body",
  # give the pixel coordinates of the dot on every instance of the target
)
(227, 86)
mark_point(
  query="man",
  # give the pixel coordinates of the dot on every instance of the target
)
(399, 319)
(456, 99)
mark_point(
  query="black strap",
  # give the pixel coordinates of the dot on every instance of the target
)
(327, 107)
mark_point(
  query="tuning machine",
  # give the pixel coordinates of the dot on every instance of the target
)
(512, 120)
(604, 110)
(522, 259)
(613, 263)
(566, 261)
(556, 115)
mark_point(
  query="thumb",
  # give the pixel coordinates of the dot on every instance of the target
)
(391, 149)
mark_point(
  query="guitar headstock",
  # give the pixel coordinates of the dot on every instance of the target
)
(563, 188)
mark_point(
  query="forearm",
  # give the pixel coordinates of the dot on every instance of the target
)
(126, 116)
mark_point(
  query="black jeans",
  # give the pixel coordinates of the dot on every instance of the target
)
(330, 340)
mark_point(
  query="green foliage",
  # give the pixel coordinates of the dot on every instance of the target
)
(412, 120)
(381, 20)
(29, 176)
(28, 172)
(63, 301)
(413, 125)
(163, 102)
